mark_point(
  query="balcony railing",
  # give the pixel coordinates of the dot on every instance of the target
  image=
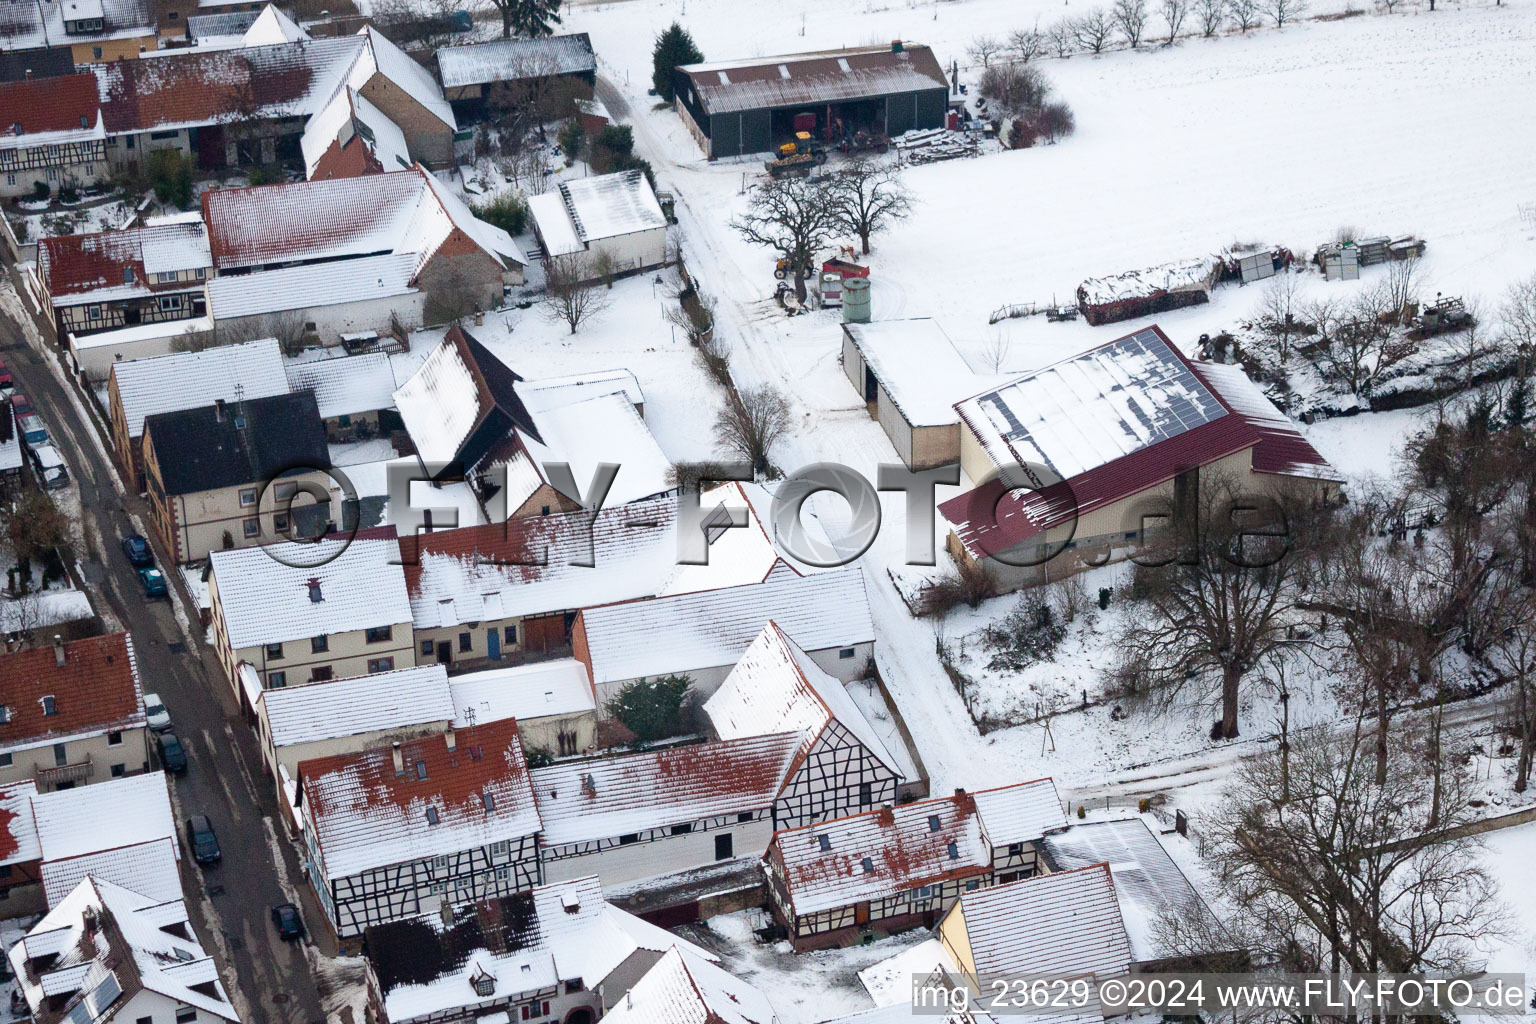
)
(79, 774)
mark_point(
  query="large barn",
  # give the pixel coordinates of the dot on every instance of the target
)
(749, 106)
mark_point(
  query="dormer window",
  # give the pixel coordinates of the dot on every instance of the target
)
(483, 982)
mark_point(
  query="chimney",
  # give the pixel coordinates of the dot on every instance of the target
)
(58, 650)
(959, 791)
(895, 45)
(451, 740)
(314, 590)
(218, 410)
(399, 758)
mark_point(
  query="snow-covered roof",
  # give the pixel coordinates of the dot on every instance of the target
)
(602, 428)
(346, 385)
(488, 236)
(525, 566)
(556, 229)
(1065, 923)
(681, 988)
(148, 868)
(49, 110)
(1147, 881)
(266, 600)
(803, 79)
(548, 392)
(1281, 448)
(109, 943)
(599, 798)
(367, 816)
(103, 816)
(139, 333)
(18, 831)
(349, 117)
(106, 266)
(306, 287)
(1180, 275)
(881, 853)
(524, 692)
(1020, 813)
(270, 27)
(509, 60)
(190, 380)
(461, 404)
(358, 705)
(919, 368)
(397, 66)
(712, 628)
(603, 206)
(776, 687)
(571, 933)
(1093, 408)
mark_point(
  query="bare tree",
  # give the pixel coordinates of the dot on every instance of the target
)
(572, 293)
(1212, 14)
(1359, 339)
(752, 423)
(795, 217)
(1025, 44)
(1014, 90)
(1282, 11)
(1220, 600)
(1402, 286)
(869, 197)
(1337, 871)
(1131, 18)
(1518, 314)
(1062, 36)
(1174, 12)
(1279, 311)
(1054, 121)
(1094, 29)
(1513, 655)
(984, 50)
(995, 354)
(1244, 13)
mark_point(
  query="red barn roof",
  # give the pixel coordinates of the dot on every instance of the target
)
(63, 103)
(94, 690)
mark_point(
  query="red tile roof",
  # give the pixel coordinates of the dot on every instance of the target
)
(49, 104)
(96, 689)
(989, 520)
(366, 816)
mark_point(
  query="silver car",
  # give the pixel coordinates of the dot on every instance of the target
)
(154, 711)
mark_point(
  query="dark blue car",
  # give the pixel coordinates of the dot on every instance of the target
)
(138, 552)
(173, 756)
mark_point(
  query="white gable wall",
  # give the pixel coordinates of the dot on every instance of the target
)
(707, 680)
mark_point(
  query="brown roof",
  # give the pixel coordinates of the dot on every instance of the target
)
(826, 76)
(65, 103)
(96, 689)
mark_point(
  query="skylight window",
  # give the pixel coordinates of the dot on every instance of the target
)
(488, 801)
(933, 823)
(421, 771)
(783, 70)
(954, 852)
(825, 842)
(869, 866)
(431, 815)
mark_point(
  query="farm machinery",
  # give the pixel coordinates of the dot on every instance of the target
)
(1445, 316)
(798, 158)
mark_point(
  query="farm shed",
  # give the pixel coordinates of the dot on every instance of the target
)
(612, 215)
(913, 375)
(470, 72)
(1106, 300)
(743, 106)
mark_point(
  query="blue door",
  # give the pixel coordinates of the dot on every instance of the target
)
(493, 643)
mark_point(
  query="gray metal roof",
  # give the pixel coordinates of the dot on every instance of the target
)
(826, 77)
(507, 60)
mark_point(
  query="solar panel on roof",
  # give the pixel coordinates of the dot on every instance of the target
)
(107, 991)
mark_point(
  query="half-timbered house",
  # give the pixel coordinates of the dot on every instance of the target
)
(683, 986)
(661, 812)
(558, 952)
(842, 766)
(444, 820)
(110, 279)
(901, 867)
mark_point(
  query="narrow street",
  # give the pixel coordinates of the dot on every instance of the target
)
(229, 901)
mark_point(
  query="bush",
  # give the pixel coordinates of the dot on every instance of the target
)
(538, 757)
(508, 211)
(571, 134)
(1054, 121)
(1104, 593)
(652, 709)
(1021, 135)
(1027, 635)
(1082, 812)
(40, 190)
(169, 174)
(673, 47)
(613, 149)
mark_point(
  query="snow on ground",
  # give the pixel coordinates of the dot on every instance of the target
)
(1508, 855)
(803, 987)
(1282, 137)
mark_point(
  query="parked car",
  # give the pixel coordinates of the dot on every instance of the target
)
(19, 404)
(173, 756)
(153, 582)
(48, 466)
(138, 551)
(154, 710)
(286, 919)
(7, 382)
(205, 845)
(34, 432)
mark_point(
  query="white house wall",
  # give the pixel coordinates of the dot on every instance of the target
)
(616, 865)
